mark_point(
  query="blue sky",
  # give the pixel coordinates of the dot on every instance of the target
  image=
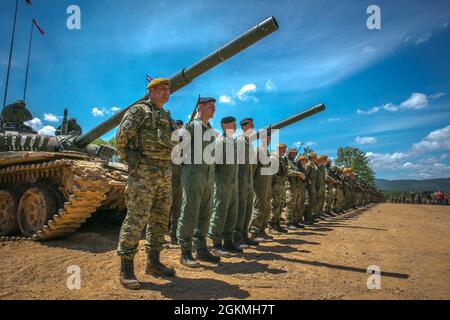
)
(387, 91)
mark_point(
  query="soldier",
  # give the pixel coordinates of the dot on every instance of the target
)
(262, 185)
(223, 221)
(197, 176)
(311, 199)
(177, 197)
(246, 158)
(14, 116)
(330, 191)
(339, 202)
(144, 142)
(321, 179)
(294, 185)
(279, 192)
(73, 128)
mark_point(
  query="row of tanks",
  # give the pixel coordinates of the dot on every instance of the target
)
(50, 185)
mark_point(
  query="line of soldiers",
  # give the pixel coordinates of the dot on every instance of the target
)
(430, 198)
(230, 202)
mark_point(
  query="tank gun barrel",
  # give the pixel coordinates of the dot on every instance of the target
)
(187, 75)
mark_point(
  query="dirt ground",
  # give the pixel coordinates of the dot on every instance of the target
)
(409, 243)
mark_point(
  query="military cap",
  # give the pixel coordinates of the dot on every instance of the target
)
(206, 100)
(281, 145)
(292, 150)
(312, 155)
(179, 122)
(301, 158)
(157, 82)
(228, 120)
(245, 121)
(323, 157)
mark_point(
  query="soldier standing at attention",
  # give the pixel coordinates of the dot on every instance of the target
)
(246, 170)
(144, 142)
(223, 221)
(197, 176)
(279, 192)
(177, 197)
(262, 185)
(310, 174)
(293, 192)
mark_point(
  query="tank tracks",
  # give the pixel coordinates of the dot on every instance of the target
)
(85, 185)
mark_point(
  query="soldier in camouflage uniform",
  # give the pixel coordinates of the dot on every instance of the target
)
(294, 185)
(197, 176)
(311, 199)
(262, 185)
(246, 160)
(338, 204)
(279, 192)
(177, 197)
(144, 142)
(321, 179)
(223, 221)
(330, 191)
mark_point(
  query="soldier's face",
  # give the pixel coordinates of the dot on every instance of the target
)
(208, 109)
(292, 155)
(303, 162)
(229, 128)
(248, 128)
(160, 94)
(281, 151)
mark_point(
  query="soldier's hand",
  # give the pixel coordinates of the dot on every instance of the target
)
(133, 159)
(302, 175)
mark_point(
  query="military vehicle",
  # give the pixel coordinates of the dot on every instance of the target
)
(50, 185)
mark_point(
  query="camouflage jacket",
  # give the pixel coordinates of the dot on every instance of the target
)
(281, 175)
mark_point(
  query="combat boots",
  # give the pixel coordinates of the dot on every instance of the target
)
(206, 256)
(249, 242)
(174, 241)
(155, 267)
(127, 277)
(232, 247)
(188, 260)
(266, 236)
(220, 250)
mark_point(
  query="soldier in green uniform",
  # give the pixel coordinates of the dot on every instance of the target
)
(197, 176)
(279, 192)
(246, 163)
(177, 197)
(262, 185)
(311, 199)
(144, 142)
(223, 221)
(294, 191)
(330, 190)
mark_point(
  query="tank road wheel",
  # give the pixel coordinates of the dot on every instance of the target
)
(9, 201)
(36, 207)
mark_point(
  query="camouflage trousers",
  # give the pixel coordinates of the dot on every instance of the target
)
(330, 192)
(295, 204)
(339, 201)
(278, 202)
(310, 204)
(261, 204)
(320, 200)
(148, 198)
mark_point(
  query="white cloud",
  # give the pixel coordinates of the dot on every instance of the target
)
(311, 144)
(436, 140)
(368, 50)
(365, 140)
(390, 107)
(298, 144)
(270, 86)
(370, 111)
(36, 124)
(386, 160)
(423, 38)
(417, 101)
(334, 119)
(51, 117)
(437, 95)
(243, 94)
(47, 130)
(224, 99)
(96, 112)
(115, 109)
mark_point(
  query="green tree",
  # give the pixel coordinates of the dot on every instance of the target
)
(357, 160)
(111, 142)
(307, 150)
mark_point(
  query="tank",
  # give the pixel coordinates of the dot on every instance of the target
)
(50, 185)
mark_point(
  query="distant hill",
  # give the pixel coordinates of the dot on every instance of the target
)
(414, 185)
